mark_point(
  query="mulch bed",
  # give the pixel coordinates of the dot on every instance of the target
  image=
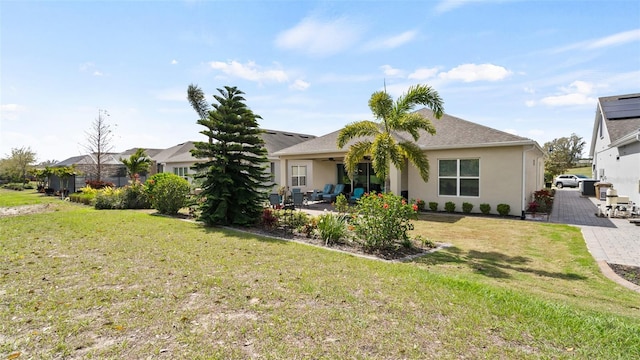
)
(629, 273)
(397, 253)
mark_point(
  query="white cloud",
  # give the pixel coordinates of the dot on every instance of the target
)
(530, 103)
(529, 90)
(90, 67)
(474, 72)
(299, 84)
(97, 73)
(319, 38)
(391, 42)
(448, 5)
(174, 62)
(391, 71)
(577, 93)
(511, 131)
(607, 41)
(423, 73)
(11, 112)
(615, 39)
(249, 71)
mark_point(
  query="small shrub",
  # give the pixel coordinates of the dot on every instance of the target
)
(109, 198)
(332, 228)
(136, 197)
(169, 194)
(153, 180)
(292, 219)
(310, 227)
(485, 209)
(433, 206)
(268, 219)
(82, 198)
(450, 206)
(420, 204)
(99, 184)
(341, 204)
(503, 209)
(467, 207)
(542, 201)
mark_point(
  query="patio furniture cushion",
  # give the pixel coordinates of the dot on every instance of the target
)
(357, 194)
(332, 196)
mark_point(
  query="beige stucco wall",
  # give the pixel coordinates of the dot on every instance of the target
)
(500, 177)
(320, 171)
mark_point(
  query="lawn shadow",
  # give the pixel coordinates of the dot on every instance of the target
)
(490, 263)
(440, 217)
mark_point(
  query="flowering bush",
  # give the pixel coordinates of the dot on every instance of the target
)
(383, 220)
(542, 201)
(420, 204)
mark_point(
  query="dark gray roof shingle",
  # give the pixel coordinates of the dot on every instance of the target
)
(451, 132)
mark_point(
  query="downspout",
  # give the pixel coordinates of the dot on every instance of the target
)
(524, 180)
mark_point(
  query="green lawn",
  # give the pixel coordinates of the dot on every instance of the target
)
(586, 171)
(81, 283)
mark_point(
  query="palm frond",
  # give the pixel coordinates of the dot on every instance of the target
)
(420, 95)
(196, 98)
(355, 154)
(417, 157)
(412, 122)
(381, 105)
(381, 153)
(356, 130)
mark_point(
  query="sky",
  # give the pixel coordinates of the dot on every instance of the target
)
(530, 68)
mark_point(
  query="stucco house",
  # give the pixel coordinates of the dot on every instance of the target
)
(178, 159)
(615, 144)
(469, 163)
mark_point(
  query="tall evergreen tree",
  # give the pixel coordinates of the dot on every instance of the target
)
(234, 176)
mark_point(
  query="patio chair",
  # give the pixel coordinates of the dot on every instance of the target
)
(274, 200)
(298, 199)
(332, 196)
(295, 190)
(357, 194)
(317, 194)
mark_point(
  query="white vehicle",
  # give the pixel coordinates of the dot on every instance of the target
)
(568, 180)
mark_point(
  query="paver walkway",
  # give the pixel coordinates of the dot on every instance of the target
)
(615, 241)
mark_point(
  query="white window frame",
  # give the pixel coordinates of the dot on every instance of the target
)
(458, 177)
(182, 171)
(298, 179)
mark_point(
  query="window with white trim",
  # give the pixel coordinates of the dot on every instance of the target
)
(459, 177)
(181, 171)
(298, 175)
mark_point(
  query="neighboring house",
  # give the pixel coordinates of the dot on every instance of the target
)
(178, 159)
(615, 144)
(113, 170)
(469, 163)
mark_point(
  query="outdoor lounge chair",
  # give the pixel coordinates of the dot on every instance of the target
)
(317, 194)
(332, 196)
(298, 199)
(357, 194)
(274, 200)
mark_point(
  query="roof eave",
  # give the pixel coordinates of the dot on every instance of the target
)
(627, 139)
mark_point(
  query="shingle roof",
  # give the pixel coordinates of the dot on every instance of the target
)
(451, 132)
(177, 153)
(619, 125)
(274, 140)
(108, 159)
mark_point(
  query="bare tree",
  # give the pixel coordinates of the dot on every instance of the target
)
(98, 144)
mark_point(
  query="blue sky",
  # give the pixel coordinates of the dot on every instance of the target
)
(534, 69)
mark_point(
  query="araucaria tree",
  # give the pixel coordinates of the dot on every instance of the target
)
(233, 170)
(378, 139)
(98, 145)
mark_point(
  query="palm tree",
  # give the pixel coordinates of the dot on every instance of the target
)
(137, 163)
(379, 139)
